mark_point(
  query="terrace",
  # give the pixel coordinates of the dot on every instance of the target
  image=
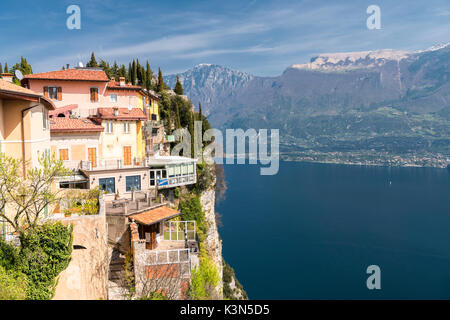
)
(172, 171)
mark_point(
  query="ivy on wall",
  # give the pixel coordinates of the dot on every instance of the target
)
(44, 253)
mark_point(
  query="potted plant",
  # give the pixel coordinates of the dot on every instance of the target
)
(67, 213)
(117, 196)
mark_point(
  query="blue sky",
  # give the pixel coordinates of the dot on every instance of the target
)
(259, 37)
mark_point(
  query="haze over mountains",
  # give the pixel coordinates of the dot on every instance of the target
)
(383, 101)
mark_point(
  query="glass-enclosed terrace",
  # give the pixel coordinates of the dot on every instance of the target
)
(172, 171)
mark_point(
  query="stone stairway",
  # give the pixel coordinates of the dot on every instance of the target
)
(117, 289)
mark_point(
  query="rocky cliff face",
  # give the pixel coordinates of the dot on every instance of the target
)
(211, 84)
(213, 242)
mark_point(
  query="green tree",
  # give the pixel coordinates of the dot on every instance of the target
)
(45, 252)
(6, 68)
(123, 71)
(105, 66)
(133, 73)
(178, 87)
(129, 75)
(93, 62)
(29, 194)
(204, 280)
(13, 285)
(148, 76)
(161, 85)
(115, 70)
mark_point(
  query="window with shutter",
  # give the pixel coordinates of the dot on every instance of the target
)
(59, 93)
(127, 156)
(64, 154)
(53, 93)
(94, 94)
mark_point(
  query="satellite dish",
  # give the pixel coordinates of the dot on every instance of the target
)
(80, 64)
(130, 107)
(18, 75)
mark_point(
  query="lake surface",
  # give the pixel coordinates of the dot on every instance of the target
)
(311, 231)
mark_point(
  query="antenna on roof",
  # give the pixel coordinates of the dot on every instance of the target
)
(18, 75)
(80, 64)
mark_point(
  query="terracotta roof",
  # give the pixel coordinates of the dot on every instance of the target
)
(163, 271)
(74, 125)
(116, 85)
(63, 109)
(155, 215)
(71, 75)
(11, 87)
(123, 114)
(17, 92)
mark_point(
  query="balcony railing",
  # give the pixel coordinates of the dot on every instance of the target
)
(112, 164)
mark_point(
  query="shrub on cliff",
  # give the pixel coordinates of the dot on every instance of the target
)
(236, 293)
(191, 209)
(205, 177)
(13, 285)
(45, 251)
(205, 278)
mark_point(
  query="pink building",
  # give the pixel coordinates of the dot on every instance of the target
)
(86, 88)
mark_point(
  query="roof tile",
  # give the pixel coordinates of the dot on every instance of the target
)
(71, 74)
(155, 215)
(74, 125)
(123, 114)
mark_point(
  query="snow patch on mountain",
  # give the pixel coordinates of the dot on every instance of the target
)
(352, 60)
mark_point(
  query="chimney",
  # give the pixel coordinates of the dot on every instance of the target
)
(67, 66)
(7, 77)
(122, 81)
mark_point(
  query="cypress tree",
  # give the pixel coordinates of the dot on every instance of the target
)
(129, 72)
(133, 73)
(148, 77)
(115, 70)
(1, 69)
(200, 111)
(178, 87)
(140, 74)
(169, 122)
(6, 67)
(160, 81)
(93, 62)
(178, 124)
(191, 132)
(123, 71)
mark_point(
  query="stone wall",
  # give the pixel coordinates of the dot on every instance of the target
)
(87, 274)
(213, 241)
(170, 279)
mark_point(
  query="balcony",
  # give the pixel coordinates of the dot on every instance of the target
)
(112, 164)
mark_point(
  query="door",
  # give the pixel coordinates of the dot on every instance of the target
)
(150, 236)
(92, 156)
(126, 156)
(63, 154)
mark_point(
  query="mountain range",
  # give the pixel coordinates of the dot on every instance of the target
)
(342, 107)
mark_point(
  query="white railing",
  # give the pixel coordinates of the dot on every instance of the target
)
(179, 230)
(112, 164)
(155, 257)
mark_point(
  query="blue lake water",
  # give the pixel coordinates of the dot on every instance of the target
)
(311, 231)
